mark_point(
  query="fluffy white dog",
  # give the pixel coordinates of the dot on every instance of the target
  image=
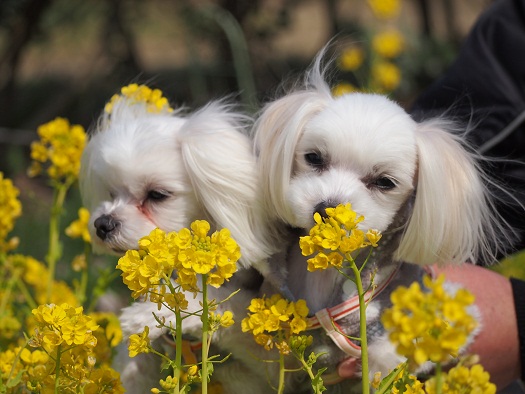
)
(143, 170)
(417, 183)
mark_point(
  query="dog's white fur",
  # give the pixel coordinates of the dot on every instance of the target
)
(316, 151)
(143, 170)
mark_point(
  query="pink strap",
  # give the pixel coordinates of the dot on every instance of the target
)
(342, 342)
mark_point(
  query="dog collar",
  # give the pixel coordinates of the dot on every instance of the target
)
(327, 318)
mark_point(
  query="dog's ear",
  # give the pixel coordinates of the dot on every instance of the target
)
(219, 159)
(277, 132)
(453, 220)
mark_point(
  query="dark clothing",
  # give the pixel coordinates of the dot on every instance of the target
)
(485, 88)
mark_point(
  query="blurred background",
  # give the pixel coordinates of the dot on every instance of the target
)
(68, 57)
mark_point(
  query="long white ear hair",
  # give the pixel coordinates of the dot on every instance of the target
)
(220, 163)
(454, 219)
(277, 132)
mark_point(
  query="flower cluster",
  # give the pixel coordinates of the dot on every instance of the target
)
(66, 354)
(389, 43)
(385, 9)
(140, 94)
(79, 227)
(10, 210)
(61, 144)
(429, 326)
(338, 233)
(374, 63)
(270, 317)
(59, 324)
(139, 343)
(188, 253)
(462, 379)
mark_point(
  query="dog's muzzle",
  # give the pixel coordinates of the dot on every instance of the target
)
(105, 225)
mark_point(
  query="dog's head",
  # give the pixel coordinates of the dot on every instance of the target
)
(317, 151)
(143, 170)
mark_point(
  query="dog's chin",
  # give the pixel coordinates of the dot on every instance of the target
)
(114, 245)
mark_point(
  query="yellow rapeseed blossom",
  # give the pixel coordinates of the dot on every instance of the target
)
(351, 58)
(79, 228)
(388, 44)
(104, 380)
(462, 379)
(188, 252)
(269, 317)
(343, 88)
(224, 320)
(61, 144)
(139, 343)
(385, 9)
(59, 324)
(10, 209)
(334, 237)
(429, 326)
(386, 76)
(140, 94)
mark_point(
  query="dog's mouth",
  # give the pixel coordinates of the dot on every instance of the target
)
(118, 251)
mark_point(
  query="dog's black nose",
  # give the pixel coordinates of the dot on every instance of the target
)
(321, 208)
(105, 224)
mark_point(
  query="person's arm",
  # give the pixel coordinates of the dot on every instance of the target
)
(497, 344)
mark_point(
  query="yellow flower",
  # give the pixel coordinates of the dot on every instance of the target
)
(337, 233)
(10, 209)
(386, 76)
(140, 94)
(60, 293)
(343, 88)
(9, 325)
(189, 253)
(33, 358)
(79, 227)
(431, 325)
(170, 383)
(461, 379)
(63, 323)
(104, 380)
(139, 343)
(226, 319)
(385, 9)
(61, 144)
(388, 44)
(269, 317)
(351, 58)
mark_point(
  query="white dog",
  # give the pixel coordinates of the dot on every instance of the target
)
(142, 171)
(416, 183)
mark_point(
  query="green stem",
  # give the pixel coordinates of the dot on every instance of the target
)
(280, 389)
(362, 329)
(439, 379)
(387, 384)
(178, 347)
(240, 54)
(27, 295)
(54, 234)
(84, 276)
(7, 292)
(205, 329)
(57, 370)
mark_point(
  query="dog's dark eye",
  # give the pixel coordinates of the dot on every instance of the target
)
(383, 183)
(156, 195)
(314, 159)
